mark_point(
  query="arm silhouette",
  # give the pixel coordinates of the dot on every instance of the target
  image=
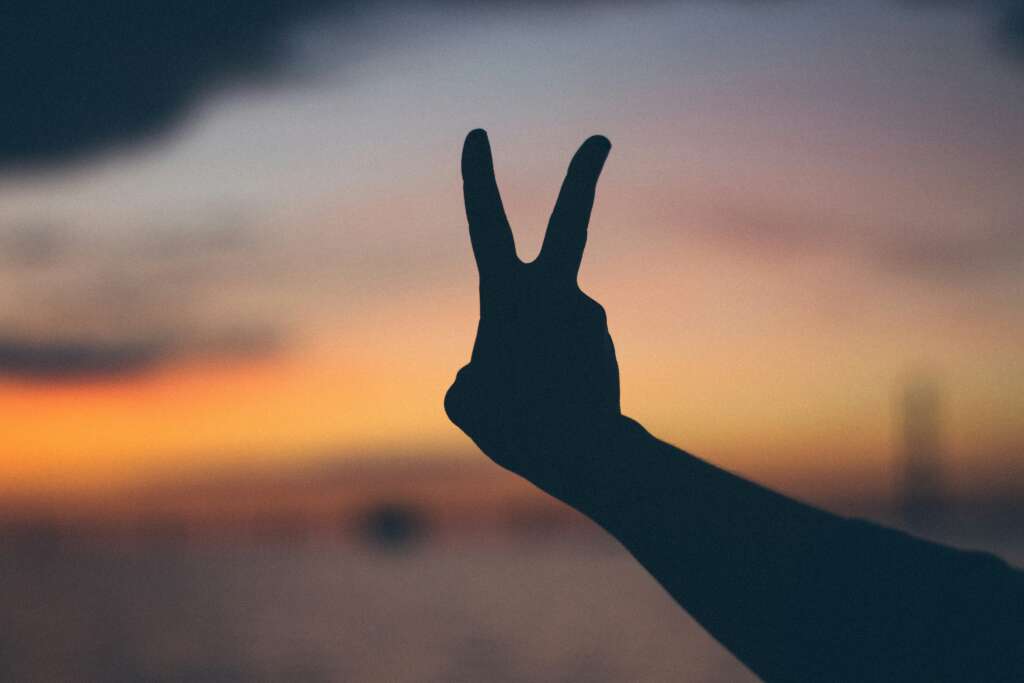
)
(794, 592)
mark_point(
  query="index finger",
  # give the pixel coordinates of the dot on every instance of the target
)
(566, 236)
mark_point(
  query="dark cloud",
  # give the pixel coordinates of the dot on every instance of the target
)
(1011, 31)
(87, 359)
(83, 76)
(1008, 17)
(69, 360)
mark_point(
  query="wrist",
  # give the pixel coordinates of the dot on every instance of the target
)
(589, 465)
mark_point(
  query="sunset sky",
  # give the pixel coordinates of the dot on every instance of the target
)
(807, 206)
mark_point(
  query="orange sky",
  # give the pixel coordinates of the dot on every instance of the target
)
(729, 360)
(788, 230)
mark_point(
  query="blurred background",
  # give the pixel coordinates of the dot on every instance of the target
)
(235, 282)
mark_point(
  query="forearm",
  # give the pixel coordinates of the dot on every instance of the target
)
(794, 592)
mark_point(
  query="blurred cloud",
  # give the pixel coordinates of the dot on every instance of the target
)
(84, 76)
(969, 254)
(79, 304)
(943, 252)
(1011, 30)
(75, 359)
(88, 359)
(30, 245)
(98, 75)
(1008, 31)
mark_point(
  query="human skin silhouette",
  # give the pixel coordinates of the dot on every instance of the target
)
(794, 592)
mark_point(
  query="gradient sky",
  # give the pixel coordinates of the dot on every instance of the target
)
(807, 205)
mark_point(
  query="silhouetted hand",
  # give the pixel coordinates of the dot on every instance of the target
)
(543, 367)
(796, 593)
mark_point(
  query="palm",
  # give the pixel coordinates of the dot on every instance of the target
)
(543, 364)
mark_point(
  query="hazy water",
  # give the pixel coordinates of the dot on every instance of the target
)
(535, 612)
(556, 611)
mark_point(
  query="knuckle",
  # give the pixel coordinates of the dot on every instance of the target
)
(454, 400)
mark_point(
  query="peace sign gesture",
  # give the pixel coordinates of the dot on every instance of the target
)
(540, 397)
(543, 365)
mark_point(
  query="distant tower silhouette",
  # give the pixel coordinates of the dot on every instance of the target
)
(923, 497)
